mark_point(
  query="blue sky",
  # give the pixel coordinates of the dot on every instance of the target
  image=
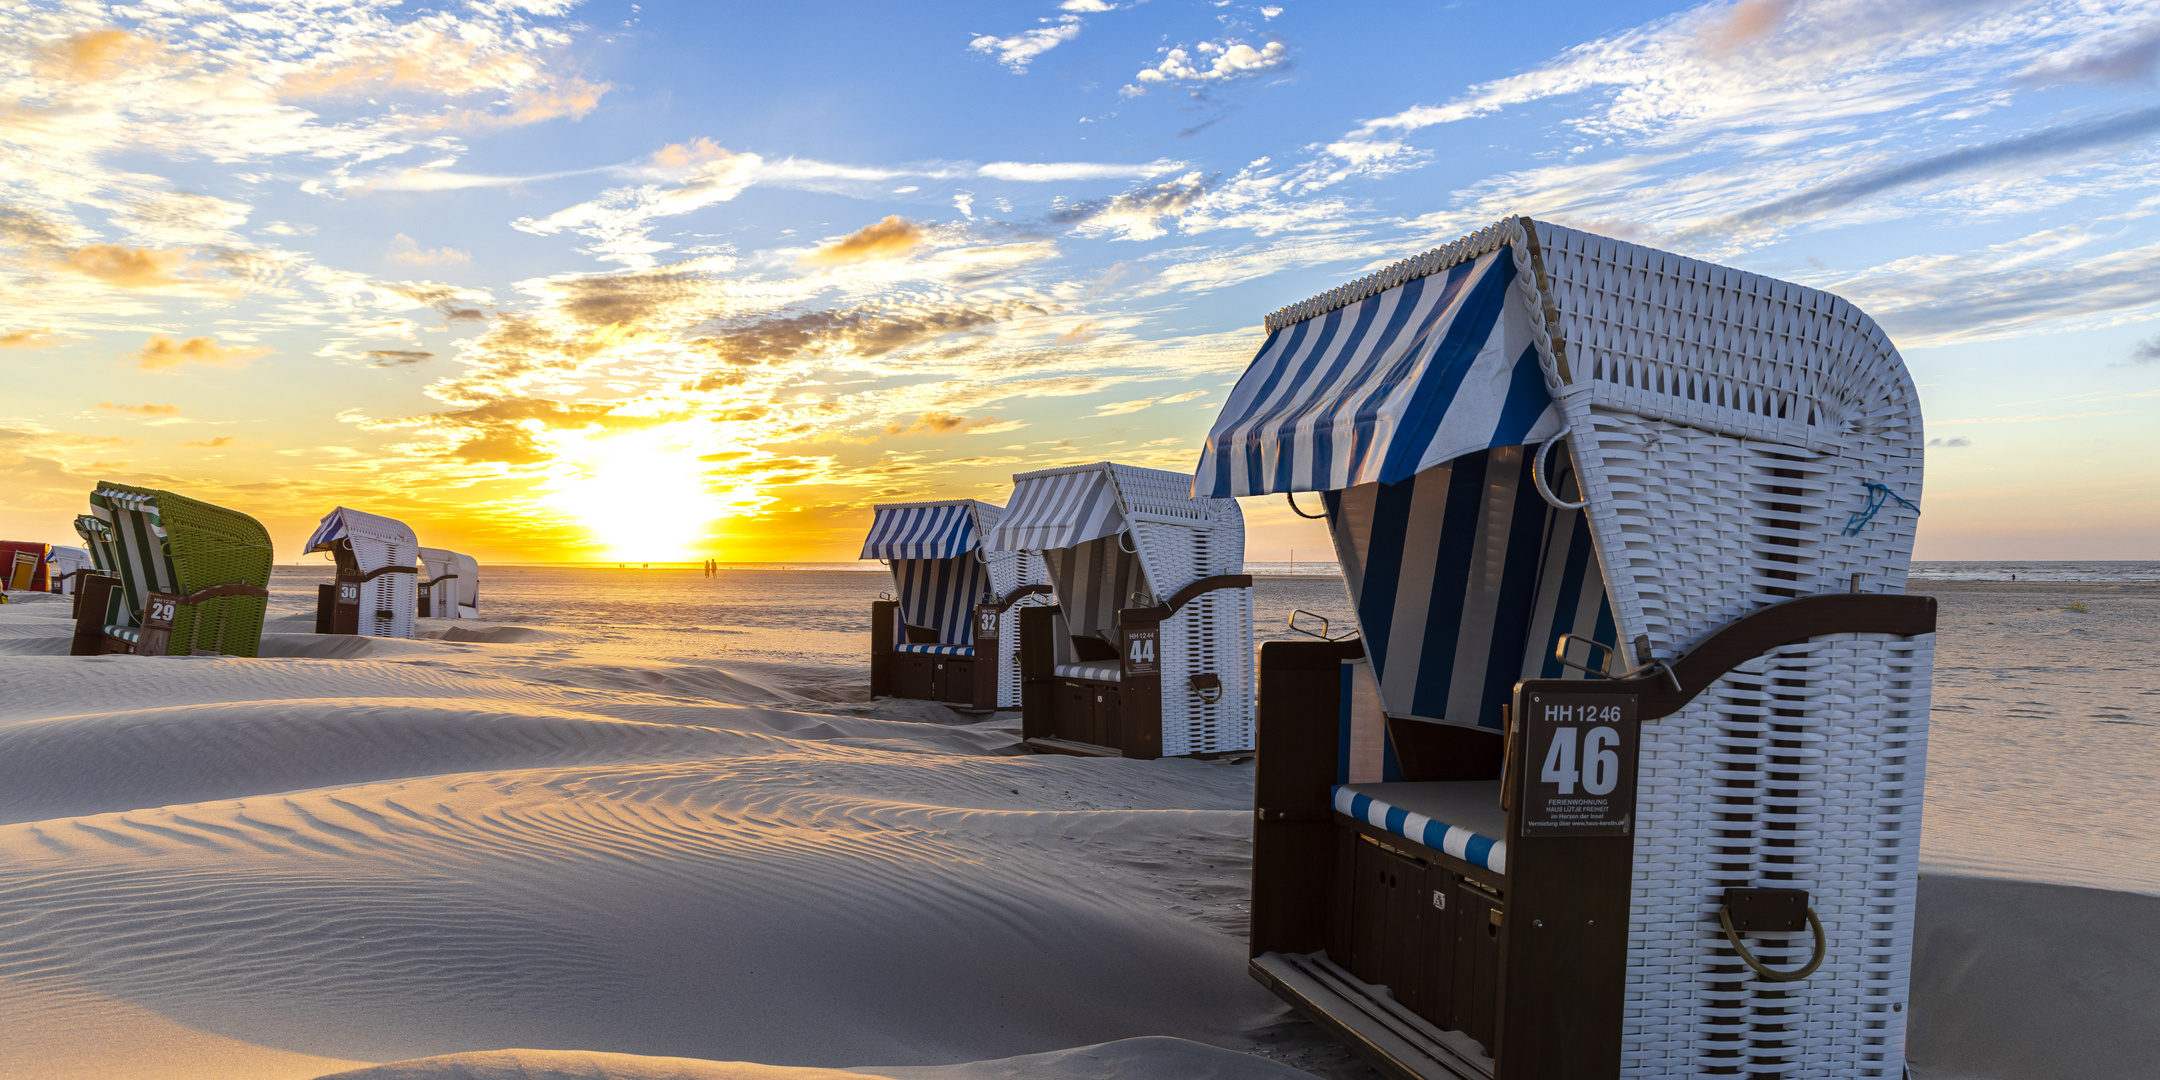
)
(557, 280)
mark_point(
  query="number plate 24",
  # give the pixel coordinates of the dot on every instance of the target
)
(1579, 764)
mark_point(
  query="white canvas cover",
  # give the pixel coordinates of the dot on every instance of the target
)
(389, 599)
(451, 597)
(66, 561)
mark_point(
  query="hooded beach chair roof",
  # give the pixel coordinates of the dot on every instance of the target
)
(934, 549)
(1412, 395)
(1114, 536)
(344, 523)
(928, 530)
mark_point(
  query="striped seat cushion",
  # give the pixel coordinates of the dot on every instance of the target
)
(125, 633)
(1378, 806)
(938, 650)
(1099, 670)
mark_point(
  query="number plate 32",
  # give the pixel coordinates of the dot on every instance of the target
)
(1579, 764)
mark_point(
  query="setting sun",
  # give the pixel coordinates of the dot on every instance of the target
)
(640, 496)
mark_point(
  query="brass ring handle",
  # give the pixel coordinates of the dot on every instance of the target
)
(1822, 949)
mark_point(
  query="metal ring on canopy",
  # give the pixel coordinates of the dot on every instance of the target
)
(1537, 472)
(1122, 534)
(1291, 498)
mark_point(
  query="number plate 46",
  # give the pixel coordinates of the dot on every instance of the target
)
(1579, 764)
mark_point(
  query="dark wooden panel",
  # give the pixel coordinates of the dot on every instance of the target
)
(913, 676)
(1294, 836)
(1038, 681)
(1429, 751)
(1073, 717)
(956, 679)
(1402, 965)
(1480, 924)
(1436, 983)
(93, 596)
(883, 615)
(1369, 945)
(984, 691)
(1341, 923)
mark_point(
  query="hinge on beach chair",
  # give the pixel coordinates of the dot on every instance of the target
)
(1642, 649)
(1322, 634)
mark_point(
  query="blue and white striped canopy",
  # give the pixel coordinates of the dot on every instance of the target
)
(1435, 368)
(1058, 508)
(922, 530)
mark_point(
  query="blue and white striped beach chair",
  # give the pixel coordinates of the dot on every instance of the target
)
(952, 629)
(1149, 651)
(1621, 775)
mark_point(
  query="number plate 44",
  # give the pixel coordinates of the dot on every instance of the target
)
(1579, 764)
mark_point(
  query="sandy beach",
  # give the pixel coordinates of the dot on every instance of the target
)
(644, 825)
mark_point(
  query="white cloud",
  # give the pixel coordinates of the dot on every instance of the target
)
(1045, 172)
(1212, 61)
(1020, 50)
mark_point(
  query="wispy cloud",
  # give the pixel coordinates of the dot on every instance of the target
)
(161, 352)
(1021, 49)
(2053, 142)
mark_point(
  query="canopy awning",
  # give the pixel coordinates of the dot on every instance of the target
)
(1058, 508)
(933, 530)
(342, 523)
(1385, 388)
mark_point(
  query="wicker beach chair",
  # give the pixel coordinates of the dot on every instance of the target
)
(67, 565)
(939, 637)
(1148, 652)
(23, 565)
(185, 577)
(376, 593)
(451, 589)
(1621, 775)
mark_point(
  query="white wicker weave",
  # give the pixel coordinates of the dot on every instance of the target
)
(1008, 571)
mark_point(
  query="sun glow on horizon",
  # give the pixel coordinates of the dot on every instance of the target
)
(643, 496)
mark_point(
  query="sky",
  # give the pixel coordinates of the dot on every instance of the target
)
(563, 281)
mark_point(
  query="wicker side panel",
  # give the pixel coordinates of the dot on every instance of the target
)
(210, 545)
(1008, 571)
(1800, 769)
(1696, 529)
(398, 594)
(1212, 634)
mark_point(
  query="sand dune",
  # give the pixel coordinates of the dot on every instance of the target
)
(1126, 1059)
(641, 860)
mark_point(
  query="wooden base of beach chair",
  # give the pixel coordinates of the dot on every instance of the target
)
(160, 610)
(1494, 911)
(962, 682)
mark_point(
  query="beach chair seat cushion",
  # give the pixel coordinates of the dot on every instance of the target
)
(935, 649)
(1099, 670)
(124, 633)
(1460, 818)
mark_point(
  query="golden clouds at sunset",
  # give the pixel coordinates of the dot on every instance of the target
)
(162, 352)
(893, 236)
(141, 410)
(127, 268)
(28, 338)
(96, 54)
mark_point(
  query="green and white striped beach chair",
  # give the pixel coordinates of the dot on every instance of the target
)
(180, 576)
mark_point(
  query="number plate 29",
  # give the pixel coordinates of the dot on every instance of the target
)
(1579, 764)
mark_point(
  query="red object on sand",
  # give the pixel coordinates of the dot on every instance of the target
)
(36, 580)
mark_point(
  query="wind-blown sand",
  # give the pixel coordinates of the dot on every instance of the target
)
(597, 834)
